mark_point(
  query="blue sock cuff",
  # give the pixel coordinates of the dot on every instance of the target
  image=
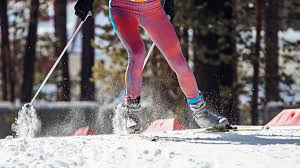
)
(195, 99)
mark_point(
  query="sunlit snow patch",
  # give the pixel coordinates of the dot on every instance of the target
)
(28, 124)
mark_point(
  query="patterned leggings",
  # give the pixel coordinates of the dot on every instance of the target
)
(126, 17)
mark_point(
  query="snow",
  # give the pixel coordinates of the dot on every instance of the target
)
(184, 149)
(28, 123)
(290, 35)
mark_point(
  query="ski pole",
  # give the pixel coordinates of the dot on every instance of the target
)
(60, 56)
(149, 54)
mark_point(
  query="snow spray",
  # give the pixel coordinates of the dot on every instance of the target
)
(28, 124)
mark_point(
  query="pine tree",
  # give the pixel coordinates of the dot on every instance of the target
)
(215, 59)
(60, 21)
(87, 61)
(272, 78)
(4, 48)
(30, 53)
(7, 63)
(256, 62)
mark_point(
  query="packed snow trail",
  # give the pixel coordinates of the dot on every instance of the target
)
(182, 149)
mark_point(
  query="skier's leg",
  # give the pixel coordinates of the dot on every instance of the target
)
(163, 34)
(161, 31)
(126, 24)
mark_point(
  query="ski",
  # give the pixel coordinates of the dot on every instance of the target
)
(158, 136)
(229, 130)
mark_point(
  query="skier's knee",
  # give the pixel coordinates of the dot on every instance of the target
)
(137, 57)
(139, 52)
(183, 70)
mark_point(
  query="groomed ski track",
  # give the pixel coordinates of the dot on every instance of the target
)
(181, 149)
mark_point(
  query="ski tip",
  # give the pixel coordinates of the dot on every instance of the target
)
(228, 126)
(155, 138)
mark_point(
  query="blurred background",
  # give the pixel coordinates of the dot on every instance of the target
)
(245, 55)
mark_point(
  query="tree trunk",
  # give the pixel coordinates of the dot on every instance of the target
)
(228, 71)
(272, 78)
(11, 77)
(7, 65)
(256, 63)
(30, 53)
(60, 21)
(87, 61)
(4, 48)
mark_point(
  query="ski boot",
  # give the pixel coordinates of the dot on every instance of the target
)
(206, 119)
(126, 118)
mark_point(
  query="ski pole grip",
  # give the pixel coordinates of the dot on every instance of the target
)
(90, 13)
